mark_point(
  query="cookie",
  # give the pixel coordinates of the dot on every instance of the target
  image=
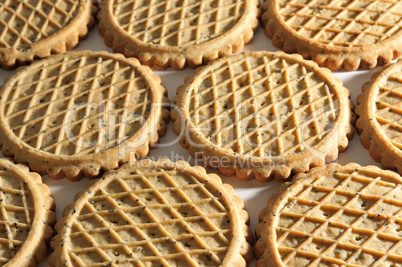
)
(81, 113)
(263, 115)
(177, 33)
(339, 216)
(154, 214)
(334, 33)
(27, 216)
(35, 29)
(380, 116)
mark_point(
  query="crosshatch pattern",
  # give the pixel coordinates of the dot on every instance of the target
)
(153, 218)
(25, 22)
(388, 107)
(346, 23)
(263, 106)
(177, 22)
(16, 215)
(348, 217)
(77, 106)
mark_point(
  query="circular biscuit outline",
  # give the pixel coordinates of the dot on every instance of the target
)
(371, 136)
(73, 167)
(64, 39)
(332, 57)
(239, 250)
(161, 57)
(34, 247)
(300, 162)
(266, 249)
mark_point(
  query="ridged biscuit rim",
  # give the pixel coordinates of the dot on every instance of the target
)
(295, 163)
(58, 43)
(34, 248)
(371, 136)
(332, 57)
(240, 248)
(161, 57)
(264, 240)
(90, 165)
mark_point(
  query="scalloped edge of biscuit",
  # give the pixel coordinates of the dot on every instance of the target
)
(274, 172)
(163, 57)
(380, 152)
(74, 171)
(65, 39)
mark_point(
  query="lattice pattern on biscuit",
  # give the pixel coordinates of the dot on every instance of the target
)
(77, 106)
(263, 107)
(16, 215)
(177, 22)
(346, 218)
(389, 107)
(25, 22)
(347, 23)
(152, 219)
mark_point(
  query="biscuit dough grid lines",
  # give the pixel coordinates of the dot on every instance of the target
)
(24, 209)
(92, 211)
(388, 108)
(175, 19)
(347, 183)
(349, 23)
(242, 142)
(45, 18)
(103, 84)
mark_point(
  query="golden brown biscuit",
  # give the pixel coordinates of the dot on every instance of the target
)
(177, 33)
(154, 214)
(338, 216)
(380, 116)
(336, 33)
(81, 113)
(26, 216)
(263, 115)
(35, 29)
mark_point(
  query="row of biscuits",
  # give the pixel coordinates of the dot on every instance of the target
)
(86, 113)
(110, 208)
(335, 34)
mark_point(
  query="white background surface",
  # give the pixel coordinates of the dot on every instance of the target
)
(254, 194)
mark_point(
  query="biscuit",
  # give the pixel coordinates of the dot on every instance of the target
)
(81, 113)
(35, 29)
(336, 33)
(27, 216)
(263, 115)
(338, 216)
(177, 33)
(380, 116)
(154, 214)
